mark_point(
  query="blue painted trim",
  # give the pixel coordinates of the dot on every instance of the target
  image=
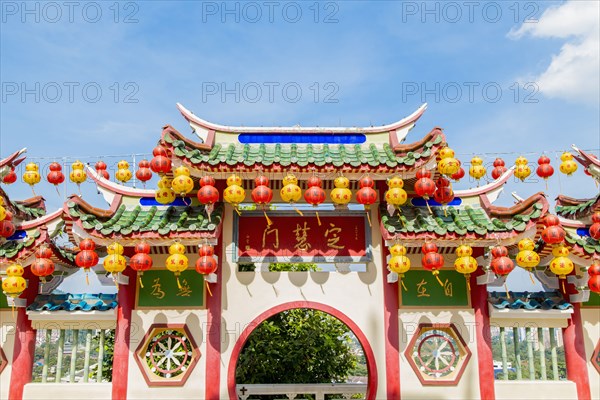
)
(583, 231)
(20, 234)
(420, 202)
(289, 138)
(151, 201)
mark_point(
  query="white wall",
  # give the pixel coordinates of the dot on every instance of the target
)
(7, 342)
(591, 331)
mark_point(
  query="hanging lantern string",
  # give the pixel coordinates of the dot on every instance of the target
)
(208, 288)
(140, 281)
(531, 277)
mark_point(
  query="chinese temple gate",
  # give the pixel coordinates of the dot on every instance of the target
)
(404, 261)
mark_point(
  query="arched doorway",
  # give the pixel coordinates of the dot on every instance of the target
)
(362, 339)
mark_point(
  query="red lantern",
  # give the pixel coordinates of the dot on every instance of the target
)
(208, 194)
(443, 193)
(7, 228)
(424, 186)
(87, 257)
(55, 176)
(141, 260)
(314, 195)
(432, 260)
(144, 173)
(501, 264)
(262, 195)
(595, 227)
(458, 175)
(100, 167)
(499, 168)
(594, 283)
(553, 233)
(366, 195)
(206, 264)
(594, 268)
(160, 164)
(544, 170)
(43, 266)
(11, 177)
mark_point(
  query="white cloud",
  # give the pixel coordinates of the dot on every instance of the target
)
(573, 73)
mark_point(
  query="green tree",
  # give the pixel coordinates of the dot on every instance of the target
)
(297, 346)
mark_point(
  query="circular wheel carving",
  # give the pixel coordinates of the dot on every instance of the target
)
(169, 354)
(436, 353)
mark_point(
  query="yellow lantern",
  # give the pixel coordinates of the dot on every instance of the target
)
(14, 284)
(234, 194)
(115, 262)
(561, 264)
(2, 210)
(123, 173)
(291, 192)
(177, 262)
(567, 166)
(477, 169)
(182, 183)
(395, 196)
(522, 170)
(164, 194)
(77, 174)
(447, 164)
(399, 263)
(341, 195)
(465, 263)
(31, 175)
(526, 257)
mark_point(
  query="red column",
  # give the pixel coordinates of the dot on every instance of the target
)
(24, 347)
(213, 332)
(390, 324)
(126, 300)
(574, 339)
(482, 333)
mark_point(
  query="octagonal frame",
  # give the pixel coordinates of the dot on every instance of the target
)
(596, 357)
(152, 379)
(451, 330)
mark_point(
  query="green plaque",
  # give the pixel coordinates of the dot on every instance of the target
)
(423, 290)
(594, 300)
(3, 301)
(161, 291)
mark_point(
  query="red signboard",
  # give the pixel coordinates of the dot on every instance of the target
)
(294, 238)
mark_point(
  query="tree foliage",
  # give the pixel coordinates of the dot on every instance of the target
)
(297, 346)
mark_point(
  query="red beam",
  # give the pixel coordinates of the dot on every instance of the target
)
(574, 340)
(122, 336)
(213, 331)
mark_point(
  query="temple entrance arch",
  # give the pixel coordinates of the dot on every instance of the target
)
(362, 339)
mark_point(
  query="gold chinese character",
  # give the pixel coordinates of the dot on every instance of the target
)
(448, 288)
(156, 289)
(421, 289)
(332, 241)
(302, 237)
(267, 232)
(185, 290)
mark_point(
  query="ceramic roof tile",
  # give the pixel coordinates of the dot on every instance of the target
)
(458, 220)
(587, 243)
(529, 301)
(576, 210)
(10, 248)
(74, 302)
(160, 220)
(301, 154)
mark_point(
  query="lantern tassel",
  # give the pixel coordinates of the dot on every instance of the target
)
(209, 209)
(428, 207)
(468, 283)
(237, 211)
(178, 284)
(439, 280)
(298, 211)
(531, 277)
(445, 211)
(369, 218)
(506, 288)
(403, 285)
(269, 222)
(33, 191)
(87, 278)
(318, 219)
(57, 191)
(208, 288)
(140, 281)
(400, 217)
(563, 286)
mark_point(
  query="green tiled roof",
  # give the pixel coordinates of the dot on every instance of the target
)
(589, 244)
(575, 210)
(459, 220)
(300, 154)
(160, 220)
(11, 248)
(31, 212)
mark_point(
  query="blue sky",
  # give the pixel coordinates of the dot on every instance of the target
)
(356, 63)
